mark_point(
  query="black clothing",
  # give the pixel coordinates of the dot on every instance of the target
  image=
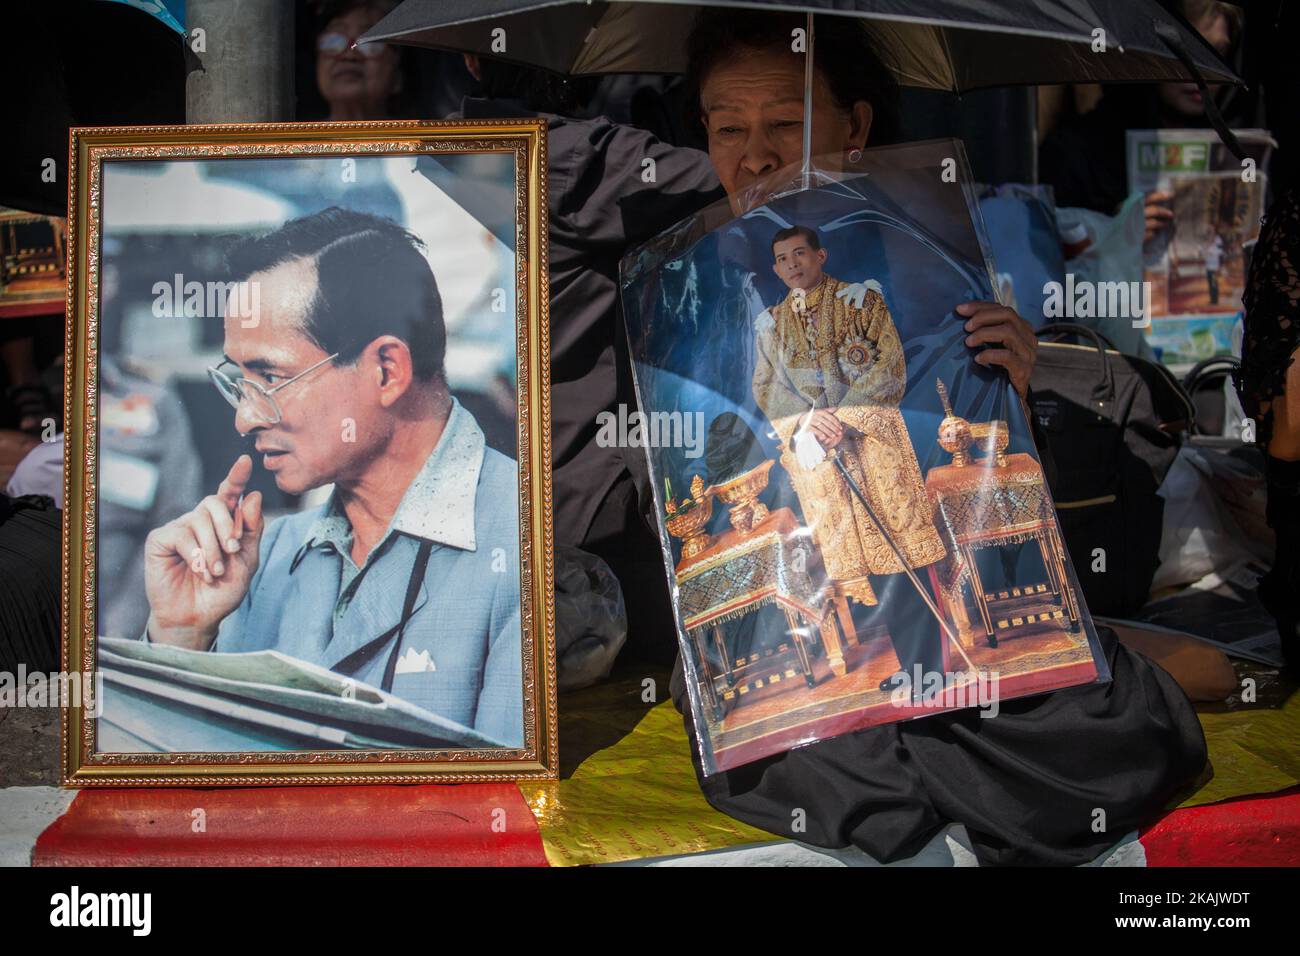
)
(600, 205)
(1279, 589)
(30, 583)
(913, 630)
(603, 200)
(1084, 159)
(1271, 328)
(1269, 346)
(1027, 784)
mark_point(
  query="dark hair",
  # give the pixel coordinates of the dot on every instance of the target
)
(331, 9)
(790, 232)
(539, 89)
(371, 279)
(842, 53)
(401, 104)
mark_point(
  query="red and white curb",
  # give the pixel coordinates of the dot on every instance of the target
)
(395, 826)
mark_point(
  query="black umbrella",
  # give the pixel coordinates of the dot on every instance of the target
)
(79, 63)
(953, 45)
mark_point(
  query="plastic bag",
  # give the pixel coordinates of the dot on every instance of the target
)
(590, 622)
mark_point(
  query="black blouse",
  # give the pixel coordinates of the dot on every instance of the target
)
(1272, 323)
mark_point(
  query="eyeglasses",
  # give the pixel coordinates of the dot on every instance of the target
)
(262, 404)
(336, 44)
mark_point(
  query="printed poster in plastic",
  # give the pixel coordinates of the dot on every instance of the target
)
(855, 522)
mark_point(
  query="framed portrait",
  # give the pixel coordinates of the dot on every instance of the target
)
(307, 537)
(856, 524)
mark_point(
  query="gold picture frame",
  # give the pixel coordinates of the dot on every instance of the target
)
(90, 149)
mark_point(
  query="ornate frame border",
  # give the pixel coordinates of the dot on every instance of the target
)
(88, 148)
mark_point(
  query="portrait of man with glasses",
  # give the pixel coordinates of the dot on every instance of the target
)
(407, 577)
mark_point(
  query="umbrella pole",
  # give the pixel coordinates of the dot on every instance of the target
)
(808, 77)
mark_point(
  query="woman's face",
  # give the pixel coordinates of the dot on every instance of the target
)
(753, 111)
(1184, 99)
(351, 79)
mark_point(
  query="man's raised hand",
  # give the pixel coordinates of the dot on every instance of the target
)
(198, 567)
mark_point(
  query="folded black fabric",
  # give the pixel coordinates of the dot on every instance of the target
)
(1027, 784)
(30, 561)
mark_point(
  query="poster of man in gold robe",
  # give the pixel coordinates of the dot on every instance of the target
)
(829, 374)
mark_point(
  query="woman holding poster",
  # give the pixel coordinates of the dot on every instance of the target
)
(1124, 747)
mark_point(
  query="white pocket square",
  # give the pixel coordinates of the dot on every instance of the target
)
(413, 663)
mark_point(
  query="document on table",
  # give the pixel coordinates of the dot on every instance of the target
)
(262, 695)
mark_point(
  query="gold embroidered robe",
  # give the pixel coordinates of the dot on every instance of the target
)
(850, 359)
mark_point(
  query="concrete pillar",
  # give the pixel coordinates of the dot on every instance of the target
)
(247, 74)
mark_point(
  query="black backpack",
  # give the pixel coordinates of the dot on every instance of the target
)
(1113, 423)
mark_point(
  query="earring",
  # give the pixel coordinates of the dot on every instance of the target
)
(855, 154)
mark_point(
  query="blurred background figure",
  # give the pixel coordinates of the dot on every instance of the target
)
(357, 82)
(1083, 157)
(373, 81)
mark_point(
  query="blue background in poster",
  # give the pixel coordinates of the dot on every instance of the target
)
(690, 310)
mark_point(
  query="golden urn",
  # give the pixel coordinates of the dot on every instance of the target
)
(955, 434)
(689, 519)
(742, 492)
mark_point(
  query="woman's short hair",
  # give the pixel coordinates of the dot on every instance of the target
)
(842, 54)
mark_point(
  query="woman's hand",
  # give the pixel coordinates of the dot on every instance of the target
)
(1012, 342)
(1157, 212)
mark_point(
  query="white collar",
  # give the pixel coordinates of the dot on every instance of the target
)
(438, 505)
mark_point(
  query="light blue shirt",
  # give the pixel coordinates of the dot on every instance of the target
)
(309, 600)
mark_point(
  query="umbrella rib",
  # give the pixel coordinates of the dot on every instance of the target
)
(952, 66)
(540, 5)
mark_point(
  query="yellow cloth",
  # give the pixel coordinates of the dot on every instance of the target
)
(834, 355)
(1254, 747)
(635, 794)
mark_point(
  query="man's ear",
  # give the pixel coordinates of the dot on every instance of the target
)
(472, 64)
(860, 123)
(394, 369)
(821, 256)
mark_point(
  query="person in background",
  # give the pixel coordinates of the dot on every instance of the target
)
(1027, 784)
(357, 82)
(1269, 386)
(1213, 262)
(1085, 157)
(25, 393)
